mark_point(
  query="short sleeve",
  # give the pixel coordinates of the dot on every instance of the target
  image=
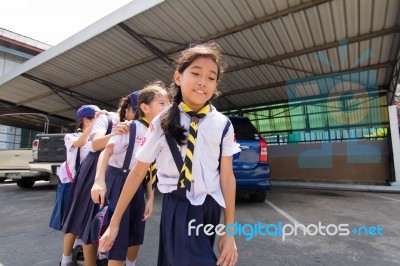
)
(153, 142)
(69, 140)
(118, 142)
(100, 125)
(229, 145)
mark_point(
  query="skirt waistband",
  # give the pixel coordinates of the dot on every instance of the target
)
(116, 170)
(179, 193)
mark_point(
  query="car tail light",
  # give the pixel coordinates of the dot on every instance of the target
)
(35, 143)
(263, 150)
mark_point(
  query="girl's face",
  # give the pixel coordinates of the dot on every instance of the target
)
(159, 103)
(129, 114)
(198, 82)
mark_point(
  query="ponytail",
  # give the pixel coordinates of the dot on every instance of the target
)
(123, 105)
(171, 120)
(80, 126)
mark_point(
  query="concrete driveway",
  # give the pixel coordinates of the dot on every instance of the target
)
(26, 238)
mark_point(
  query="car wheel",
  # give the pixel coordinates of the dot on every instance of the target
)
(25, 183)
(258, 196)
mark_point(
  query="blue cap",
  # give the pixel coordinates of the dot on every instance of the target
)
(134, 98)
(86, 111)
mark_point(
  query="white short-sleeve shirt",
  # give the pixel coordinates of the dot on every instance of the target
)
(121, 143)
(101, 123)
(205, 174)
(72, 152)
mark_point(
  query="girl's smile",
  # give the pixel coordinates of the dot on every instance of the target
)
(198, 82)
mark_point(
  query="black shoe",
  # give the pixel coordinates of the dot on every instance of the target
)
(101, 262)
(77, 254)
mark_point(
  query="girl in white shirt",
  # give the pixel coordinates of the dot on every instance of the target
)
(80, 208)
(78, 146)
(113, 168)
(199, 189)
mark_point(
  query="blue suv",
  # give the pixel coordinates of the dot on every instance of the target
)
(250, 166)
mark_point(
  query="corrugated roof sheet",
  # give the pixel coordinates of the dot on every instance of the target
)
(267, 44)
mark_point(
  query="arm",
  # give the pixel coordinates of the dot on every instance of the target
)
(226, 244)
(81, 141)
(100, 140)
(99, 187)
(83, 138)
(150, 201)
(132, 183)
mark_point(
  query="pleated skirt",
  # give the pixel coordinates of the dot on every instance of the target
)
(60, 203)
(176, 246)
(131, 229)
(80, 208)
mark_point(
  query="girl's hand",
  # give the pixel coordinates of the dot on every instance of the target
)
(228, 251)
(121, 128)
(98, 192)
(148, 210)
(101, 112)
(108, 239)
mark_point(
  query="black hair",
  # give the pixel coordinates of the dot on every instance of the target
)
(123, 105)
(170, 119)
(147, 95)
(79, 127)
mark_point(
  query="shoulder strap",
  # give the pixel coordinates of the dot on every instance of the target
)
(78, 159)
(110, 124)
(175, 152)
(226, 128)
(69, 174)
(131, 145)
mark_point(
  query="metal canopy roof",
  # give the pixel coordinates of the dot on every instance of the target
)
(266, 43)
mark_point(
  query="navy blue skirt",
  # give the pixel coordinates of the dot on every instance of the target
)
(131, 229)
(60, 203)
(176, 247)
(80, 208)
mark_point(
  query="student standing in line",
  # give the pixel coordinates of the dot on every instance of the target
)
(204, 183)
(112, 169)
(80, 208)
(77, 146)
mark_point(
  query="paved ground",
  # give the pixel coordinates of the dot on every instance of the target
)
(26, 239)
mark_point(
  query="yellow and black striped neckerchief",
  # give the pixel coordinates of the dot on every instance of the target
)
(152, 172)
(185, 177)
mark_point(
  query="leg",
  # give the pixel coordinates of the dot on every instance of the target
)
(116, 263)
(133, 252)
(69, 240)
(90, 254)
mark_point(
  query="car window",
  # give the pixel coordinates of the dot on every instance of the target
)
(244, 129)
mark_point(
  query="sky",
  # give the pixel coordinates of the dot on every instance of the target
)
(52, 21)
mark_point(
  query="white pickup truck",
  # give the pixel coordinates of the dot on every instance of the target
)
(48, 153)
(14, 164)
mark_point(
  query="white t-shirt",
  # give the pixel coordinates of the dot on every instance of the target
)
(121, 143)
(101, 123)
(72, 152)
(206, 177)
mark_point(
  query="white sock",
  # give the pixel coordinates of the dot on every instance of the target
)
(130, 263)
(102, 256)
(78, 242)
(66, 259)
